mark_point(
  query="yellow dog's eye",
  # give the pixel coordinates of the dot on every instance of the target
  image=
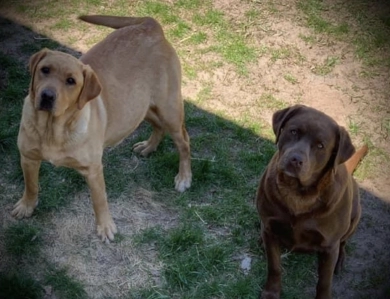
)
(45, 70)
(70, 81)
(320, 145)
(293, 132)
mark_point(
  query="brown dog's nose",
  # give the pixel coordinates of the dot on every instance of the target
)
(296, 161)
(48, 97)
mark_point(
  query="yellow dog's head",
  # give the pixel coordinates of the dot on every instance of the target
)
(59, 81)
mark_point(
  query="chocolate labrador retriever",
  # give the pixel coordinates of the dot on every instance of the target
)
(77, 107)
(307, 198)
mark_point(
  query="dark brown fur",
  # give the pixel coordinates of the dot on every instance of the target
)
(307, 198)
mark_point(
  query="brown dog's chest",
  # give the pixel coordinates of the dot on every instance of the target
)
(298, 234)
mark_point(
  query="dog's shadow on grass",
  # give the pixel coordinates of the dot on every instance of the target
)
(227, 162)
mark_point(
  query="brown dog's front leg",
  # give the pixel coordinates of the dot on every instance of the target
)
(106, 228)
(273, 285)
(326, 265)
(26, 205)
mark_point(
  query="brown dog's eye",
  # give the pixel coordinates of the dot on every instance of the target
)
(293, 132)
(70, 81)
(320, 145)
(45, 70)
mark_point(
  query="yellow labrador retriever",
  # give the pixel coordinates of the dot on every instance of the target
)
(76, 108)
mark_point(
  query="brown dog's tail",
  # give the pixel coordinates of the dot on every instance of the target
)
(352, 162)
(117, 22)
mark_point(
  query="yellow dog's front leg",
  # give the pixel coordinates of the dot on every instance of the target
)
(26, 205)
(106, 227)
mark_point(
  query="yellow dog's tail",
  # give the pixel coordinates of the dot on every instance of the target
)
(118, 22)
(353, 162)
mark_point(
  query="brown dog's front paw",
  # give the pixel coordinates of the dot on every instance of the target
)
(183, 182)
(23, 209)
(269, 295)
(107, 231)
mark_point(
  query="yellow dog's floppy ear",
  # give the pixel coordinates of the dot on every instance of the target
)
(91, 88)
(34, 60)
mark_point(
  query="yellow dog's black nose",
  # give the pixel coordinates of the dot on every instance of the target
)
(48, 98)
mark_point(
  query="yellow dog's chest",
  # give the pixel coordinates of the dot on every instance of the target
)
(60, 157)
(55, 143)
(73, 157)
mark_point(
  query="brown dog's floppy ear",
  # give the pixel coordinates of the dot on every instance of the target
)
(345, 148)
(280, 117)
(34, 60)
(91, 88)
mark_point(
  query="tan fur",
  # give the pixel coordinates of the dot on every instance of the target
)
(307, 199)
(76, 108)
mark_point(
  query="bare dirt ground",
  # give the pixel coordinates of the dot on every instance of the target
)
(344, 94)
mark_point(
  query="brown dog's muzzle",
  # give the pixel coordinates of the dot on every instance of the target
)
(294, 163)
(47, 99)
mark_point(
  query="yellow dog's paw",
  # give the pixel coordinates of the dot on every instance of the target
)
(22, 209)
(144, 148)
(183, 182)
(107, 231)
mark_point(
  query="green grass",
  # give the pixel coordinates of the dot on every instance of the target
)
(281, 53)
(269, 101)
(19, 285)
(309, 39)
(198, 38)
(326, 67)
(189, 4)
(231, 46)
(193, 262)
(236, 51)
(211, 17)
(64, 285)
(353, 127)
(290, 78)
(23, 278)
(15, 83)
(374, 31)
(63, 25)
(313, 10)
(21, 240)
(204, 94)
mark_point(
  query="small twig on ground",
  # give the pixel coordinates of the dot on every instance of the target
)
(200, 159)
(204, 222)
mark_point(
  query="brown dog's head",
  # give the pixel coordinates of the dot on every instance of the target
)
(60, 81)
(309, 142)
